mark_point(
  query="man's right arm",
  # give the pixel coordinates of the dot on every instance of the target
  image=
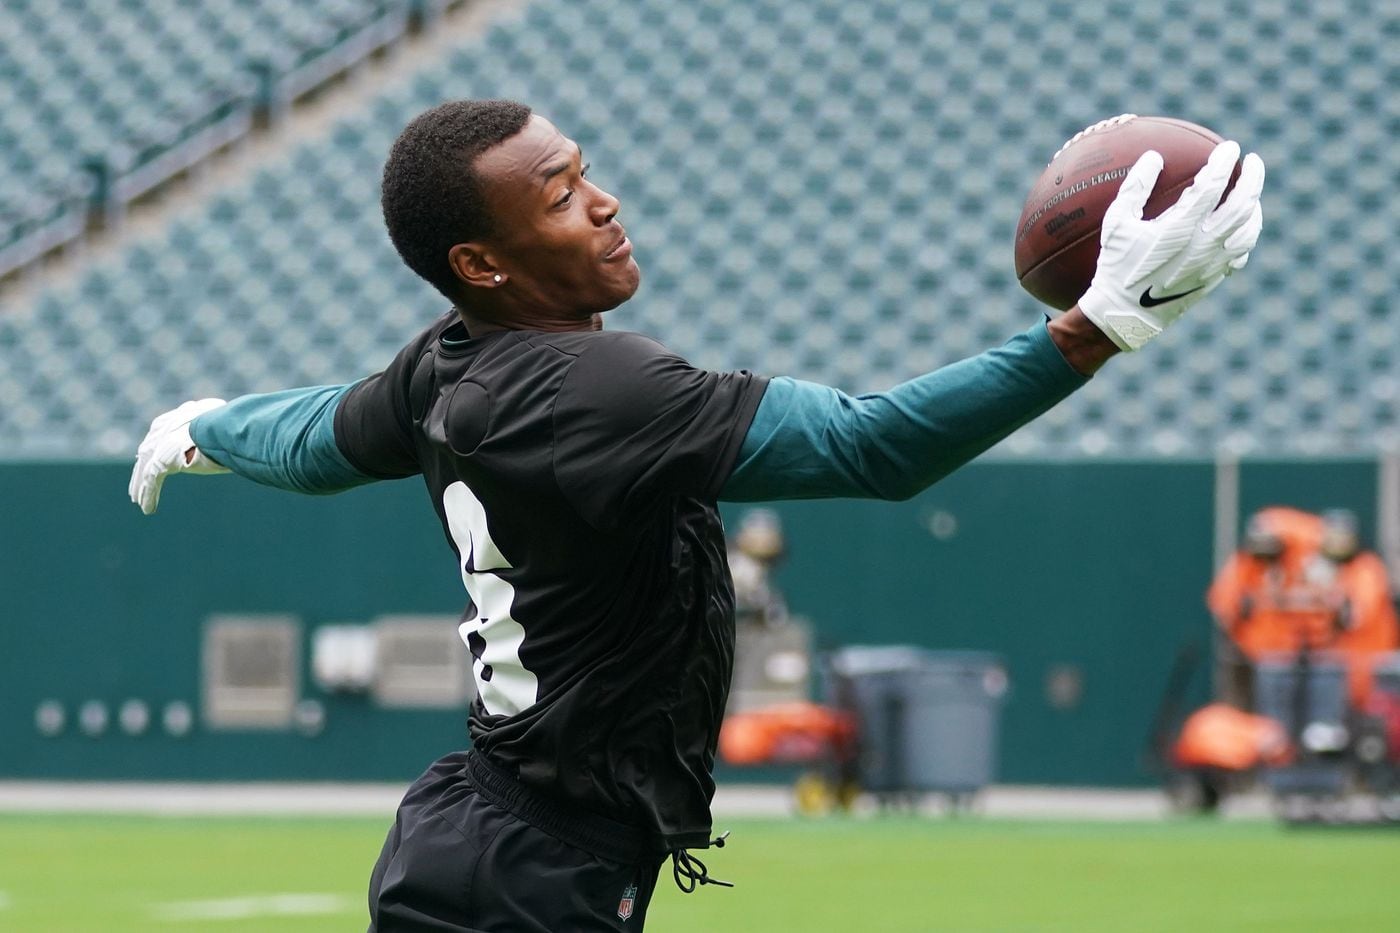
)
(283, 439)
(316, 440)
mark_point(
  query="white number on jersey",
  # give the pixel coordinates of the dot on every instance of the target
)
(493, 638)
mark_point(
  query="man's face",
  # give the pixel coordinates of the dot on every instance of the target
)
(557, 239)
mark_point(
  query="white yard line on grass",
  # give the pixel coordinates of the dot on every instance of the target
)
(256, 905)
(4, 901)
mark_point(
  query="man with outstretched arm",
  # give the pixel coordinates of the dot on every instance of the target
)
(576, 473)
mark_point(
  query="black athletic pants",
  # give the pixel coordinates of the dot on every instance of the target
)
(472, 851)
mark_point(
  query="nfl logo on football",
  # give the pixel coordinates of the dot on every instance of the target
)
(629, 900)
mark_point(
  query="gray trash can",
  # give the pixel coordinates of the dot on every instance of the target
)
(927, 720)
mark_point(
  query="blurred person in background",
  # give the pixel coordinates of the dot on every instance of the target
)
(576, 471)
(754, 554)
(1301, 582)
(1354, 589)
(1252, 596)
(772, 650)
(1246, 598)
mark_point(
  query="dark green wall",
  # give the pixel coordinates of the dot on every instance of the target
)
(103, 602)
(1096, 566)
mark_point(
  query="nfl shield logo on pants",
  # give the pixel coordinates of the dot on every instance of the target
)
(629, 900)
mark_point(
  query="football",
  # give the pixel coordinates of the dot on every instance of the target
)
(1057, 239)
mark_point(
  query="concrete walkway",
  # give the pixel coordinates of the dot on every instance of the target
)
(733, 801)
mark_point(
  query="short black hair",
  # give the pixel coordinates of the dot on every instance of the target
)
(431, 194)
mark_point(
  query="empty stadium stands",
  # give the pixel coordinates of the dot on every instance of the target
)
(825, 189)
(102, 100)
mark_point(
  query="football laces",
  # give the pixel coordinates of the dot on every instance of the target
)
(1101, 125)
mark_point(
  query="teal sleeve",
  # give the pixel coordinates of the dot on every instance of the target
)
(283, 439)
(810, 441)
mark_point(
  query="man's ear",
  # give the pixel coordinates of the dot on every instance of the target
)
(472, 264)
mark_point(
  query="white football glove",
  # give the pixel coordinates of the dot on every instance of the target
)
(1150, 271)
(167, 449)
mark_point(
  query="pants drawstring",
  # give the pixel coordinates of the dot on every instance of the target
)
(691, 873)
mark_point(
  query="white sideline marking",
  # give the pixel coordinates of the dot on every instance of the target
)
(258, 905)
(4, 901)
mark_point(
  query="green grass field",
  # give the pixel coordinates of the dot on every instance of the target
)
(117, 874)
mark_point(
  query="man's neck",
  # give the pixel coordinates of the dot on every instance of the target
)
(478, 323)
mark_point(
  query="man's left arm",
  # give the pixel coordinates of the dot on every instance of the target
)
(809, 441)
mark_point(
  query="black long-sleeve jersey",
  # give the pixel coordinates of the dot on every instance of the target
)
(575, 476)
